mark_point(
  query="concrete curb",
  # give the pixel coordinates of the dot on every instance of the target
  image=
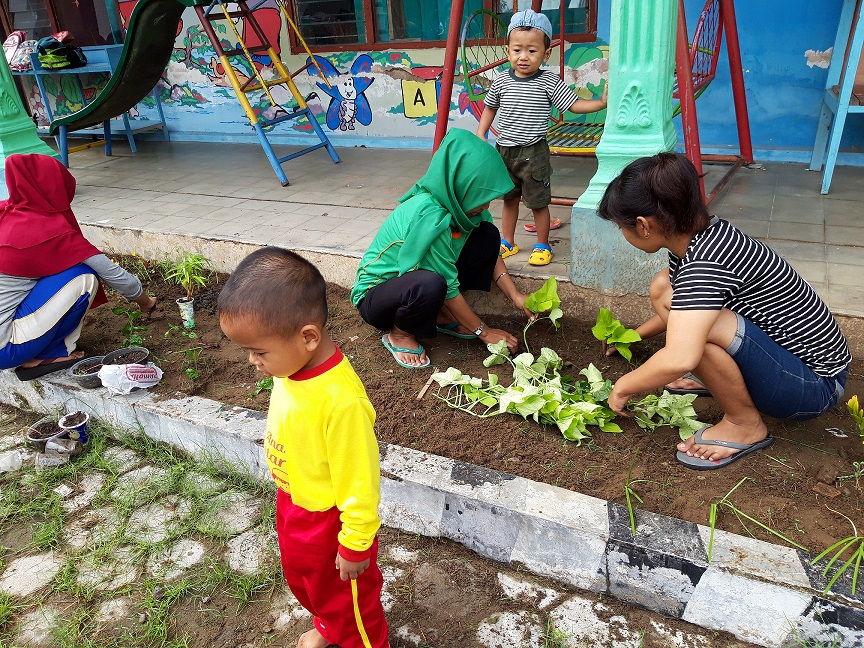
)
(576, 539)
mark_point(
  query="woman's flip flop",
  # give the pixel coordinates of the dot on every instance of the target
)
(555, 223)
(450, 329)
(394, 350)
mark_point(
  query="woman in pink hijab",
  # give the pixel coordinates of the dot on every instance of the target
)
(49, 273)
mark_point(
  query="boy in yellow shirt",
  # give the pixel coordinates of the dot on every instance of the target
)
(320, 447)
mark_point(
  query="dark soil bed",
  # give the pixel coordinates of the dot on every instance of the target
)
(87, 369)
(792, 487)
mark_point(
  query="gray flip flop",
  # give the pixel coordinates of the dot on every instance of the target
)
(707, 464)
(699, 391)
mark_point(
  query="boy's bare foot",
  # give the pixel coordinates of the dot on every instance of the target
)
(312, 639)
(36, 362)
(725, 430)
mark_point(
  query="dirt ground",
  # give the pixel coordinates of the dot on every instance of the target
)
(794, 487)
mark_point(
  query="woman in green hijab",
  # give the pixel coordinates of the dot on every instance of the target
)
(439, 242)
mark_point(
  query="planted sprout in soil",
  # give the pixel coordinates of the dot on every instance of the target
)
(43, 430)
(85, 370)
(781, 493)
(74, 420)
(129, 358)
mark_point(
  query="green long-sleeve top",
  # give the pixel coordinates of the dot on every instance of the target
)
(428, 230)
(380, 262)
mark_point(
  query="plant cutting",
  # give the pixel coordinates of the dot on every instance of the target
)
(674, 410)
(724, 501)
(613, 333)
(855, 543)
(540, 301)
(189, 272)
(629, 492)
(190, 361)
(131, 330)
(265, 384)
(538, 391)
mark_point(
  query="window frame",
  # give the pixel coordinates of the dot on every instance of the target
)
(589, 36)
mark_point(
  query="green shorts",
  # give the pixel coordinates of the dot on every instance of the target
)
(531, 172)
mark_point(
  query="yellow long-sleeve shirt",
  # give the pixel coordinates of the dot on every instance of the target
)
(321, 448)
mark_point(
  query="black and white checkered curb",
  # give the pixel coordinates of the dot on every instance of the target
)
(762, 593)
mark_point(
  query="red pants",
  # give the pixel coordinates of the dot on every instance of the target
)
(308, 545)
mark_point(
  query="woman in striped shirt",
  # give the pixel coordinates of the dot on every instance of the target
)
(735, 313)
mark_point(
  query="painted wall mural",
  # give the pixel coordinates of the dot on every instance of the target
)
(390, 97)
(348, 103)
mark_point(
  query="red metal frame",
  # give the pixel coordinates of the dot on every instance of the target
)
(689, 120)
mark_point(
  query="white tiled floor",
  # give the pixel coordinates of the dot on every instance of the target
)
(229, 191)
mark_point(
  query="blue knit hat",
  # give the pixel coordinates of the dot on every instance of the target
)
(530, 18)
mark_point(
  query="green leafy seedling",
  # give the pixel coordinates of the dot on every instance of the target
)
(674, 410)
(131, 329)
(190, 360)
(613, 333)
(173, 328)
(189, 272)
(265, 384)
(540, 301)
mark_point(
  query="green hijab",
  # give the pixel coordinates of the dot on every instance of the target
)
(464, 173)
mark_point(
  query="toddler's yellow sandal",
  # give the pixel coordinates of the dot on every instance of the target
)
(541, 255)
(508, 249)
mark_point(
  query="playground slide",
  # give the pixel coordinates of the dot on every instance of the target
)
(150, 36)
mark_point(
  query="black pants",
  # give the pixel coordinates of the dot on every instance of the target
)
(412, 302)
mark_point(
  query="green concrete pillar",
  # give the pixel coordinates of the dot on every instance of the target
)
(638, 123)
(17, 130)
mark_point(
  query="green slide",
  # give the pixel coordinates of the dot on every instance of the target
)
(150, 37)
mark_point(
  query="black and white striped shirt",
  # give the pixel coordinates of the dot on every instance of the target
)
(725, 268)
(522, 105)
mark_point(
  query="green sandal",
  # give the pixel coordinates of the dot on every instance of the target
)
(394, 350)
(450, 329)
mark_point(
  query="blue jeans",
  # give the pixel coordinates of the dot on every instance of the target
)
(780, 384)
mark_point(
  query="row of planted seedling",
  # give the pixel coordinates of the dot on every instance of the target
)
(537, 390)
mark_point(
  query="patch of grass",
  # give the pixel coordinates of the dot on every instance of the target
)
(554, 638)
(158, 612)
(7, 609)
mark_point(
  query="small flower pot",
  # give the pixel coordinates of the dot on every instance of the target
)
(187, 311)
(42, 431)
(128, 355)
(75, 425)
(85, 373)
